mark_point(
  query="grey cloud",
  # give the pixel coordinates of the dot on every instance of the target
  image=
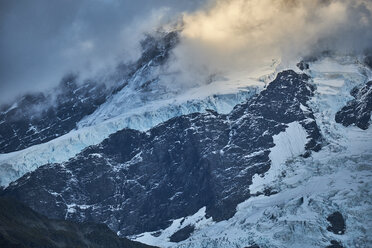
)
(242, 34)
(42, 40)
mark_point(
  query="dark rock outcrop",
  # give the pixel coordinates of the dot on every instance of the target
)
(335, 244)
(21, 227)
(38, 118)
(357, 111)
(182, 234)
(302, 65)
(368, 61)
(136, 182)
(337, 223)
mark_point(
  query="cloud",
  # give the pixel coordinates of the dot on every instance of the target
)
(42, 40)
(241, 34)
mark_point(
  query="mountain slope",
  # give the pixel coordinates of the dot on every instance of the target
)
(21, 227)
(278, 171)
(179, 166)
(139, 101)
(357, 111)
(323, 200)
(40, 117)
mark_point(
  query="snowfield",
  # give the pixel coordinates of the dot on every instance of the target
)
(337, 178)
(288, 144)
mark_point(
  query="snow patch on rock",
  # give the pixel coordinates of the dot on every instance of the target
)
(161, 237)
(288, 144)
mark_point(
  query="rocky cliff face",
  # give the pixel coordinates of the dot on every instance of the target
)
(357, 111)
(38, 118)
(139, 181)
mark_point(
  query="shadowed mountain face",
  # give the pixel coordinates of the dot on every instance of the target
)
(357, 111)
(21, 227)
(136, 182)
(40, 117)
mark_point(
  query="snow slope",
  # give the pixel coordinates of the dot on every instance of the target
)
(288, 144)
(337, 178)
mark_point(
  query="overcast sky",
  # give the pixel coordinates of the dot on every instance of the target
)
(41, 40)
(242, 35)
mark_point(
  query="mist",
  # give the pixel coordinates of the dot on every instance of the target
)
(43, 40)
(243, 34)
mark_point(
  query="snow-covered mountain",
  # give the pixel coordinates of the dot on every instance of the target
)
(139, 101)
(323, 200)
(276, 157)
(235, 163)
(181, 165)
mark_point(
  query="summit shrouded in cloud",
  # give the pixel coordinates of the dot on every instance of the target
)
(239, 34)
(41, 41)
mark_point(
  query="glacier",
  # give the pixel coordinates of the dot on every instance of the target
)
(337, 178)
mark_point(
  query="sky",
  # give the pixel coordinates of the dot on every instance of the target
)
(42, 40)
(244, 34)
